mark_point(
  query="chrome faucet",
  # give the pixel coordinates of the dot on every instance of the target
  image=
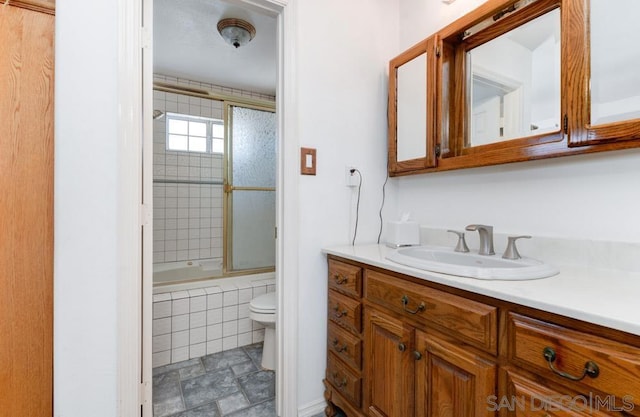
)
(486, 238)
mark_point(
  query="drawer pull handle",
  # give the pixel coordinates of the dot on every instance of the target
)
(417, 355)
(590, 368)
(405, 302)
(338, 349)
(340, 279)
(339, 384)
(339, 313)
(402, 347)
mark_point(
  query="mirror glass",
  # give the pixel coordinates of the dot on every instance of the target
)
(615, 63)
(513, 84)
(412, 109)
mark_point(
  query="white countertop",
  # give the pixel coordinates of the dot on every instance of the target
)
(605, 297)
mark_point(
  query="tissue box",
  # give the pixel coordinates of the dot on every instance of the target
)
(403, 233)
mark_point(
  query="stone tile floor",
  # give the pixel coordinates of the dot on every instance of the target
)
(224, 384)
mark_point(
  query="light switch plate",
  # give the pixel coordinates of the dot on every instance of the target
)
(307, 161)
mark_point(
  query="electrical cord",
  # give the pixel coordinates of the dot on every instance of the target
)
(355, 230)
(382, 204)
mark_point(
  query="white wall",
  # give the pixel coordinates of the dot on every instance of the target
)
(86, 263)
(585, 197)
(343, 54)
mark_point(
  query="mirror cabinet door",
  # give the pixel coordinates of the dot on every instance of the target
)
(411, 101)
(507, 81)
(612, 78)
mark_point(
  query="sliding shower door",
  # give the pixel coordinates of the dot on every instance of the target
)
(250, 190)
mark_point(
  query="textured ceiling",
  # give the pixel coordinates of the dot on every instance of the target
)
(188, 45)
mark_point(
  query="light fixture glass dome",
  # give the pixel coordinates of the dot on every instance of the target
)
(236, 32)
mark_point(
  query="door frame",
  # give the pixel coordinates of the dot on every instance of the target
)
(137, 350)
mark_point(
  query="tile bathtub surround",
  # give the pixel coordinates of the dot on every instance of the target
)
(224, 384)
(187, 218)
(194, 323)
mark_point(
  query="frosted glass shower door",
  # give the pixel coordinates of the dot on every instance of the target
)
(251, 197)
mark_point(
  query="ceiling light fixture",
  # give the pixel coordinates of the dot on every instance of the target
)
(236, 32)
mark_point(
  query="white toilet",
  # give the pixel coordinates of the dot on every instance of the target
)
(263, 310)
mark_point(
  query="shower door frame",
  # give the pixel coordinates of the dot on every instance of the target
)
(229, 188)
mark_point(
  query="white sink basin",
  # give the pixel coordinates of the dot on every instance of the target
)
(470, 264)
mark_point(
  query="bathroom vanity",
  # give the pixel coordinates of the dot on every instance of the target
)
(404, 342)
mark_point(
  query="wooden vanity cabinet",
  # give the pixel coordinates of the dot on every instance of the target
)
(343, 381)
(412, 369)
(466, 355)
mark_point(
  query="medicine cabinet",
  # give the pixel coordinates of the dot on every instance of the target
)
(516, 81)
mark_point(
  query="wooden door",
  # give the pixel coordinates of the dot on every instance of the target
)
(389, 366)
(451, 381)
(26, 210)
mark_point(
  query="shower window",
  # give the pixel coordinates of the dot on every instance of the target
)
(194, 134)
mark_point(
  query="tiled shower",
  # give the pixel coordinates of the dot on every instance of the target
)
(188, 226)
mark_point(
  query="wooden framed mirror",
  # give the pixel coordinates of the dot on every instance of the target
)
(522, 80)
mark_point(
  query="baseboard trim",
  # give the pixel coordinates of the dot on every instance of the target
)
(312, 409)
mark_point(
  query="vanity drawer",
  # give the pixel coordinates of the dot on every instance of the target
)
(468, 320)
(344, 380)
(618, 363)
(526, 397)
(345, 311)
(345, 345)
(345, 278)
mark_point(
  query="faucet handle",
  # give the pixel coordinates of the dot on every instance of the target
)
(461, 246)
(512, 251)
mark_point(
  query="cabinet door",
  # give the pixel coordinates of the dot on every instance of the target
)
(451, 381)
(26, 210)
(389, 366)
(602, 72)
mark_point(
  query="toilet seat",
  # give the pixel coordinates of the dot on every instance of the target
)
(264, 304)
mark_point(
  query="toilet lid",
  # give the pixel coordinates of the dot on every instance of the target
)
(265, 303)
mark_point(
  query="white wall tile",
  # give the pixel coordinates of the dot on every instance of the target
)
(230, 298)
(180, 322)
(259, 290)
(229, 328)
(161, 326)
(178, 295)
(198, 319)
(245, 325)
(230, 313)
(161, 359)
(161, 343)
(214, 346)
(214, 301)
(197, 335)
(243, 311)
(230, 342)
(214, 332)
(198, 303)
(258, 336)
(214, 316)
(161, 297)
(180, 307)
(180, 354)
(245, 295)
(197, 350)
(161, 309)
(245, 339)
(180, 339)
